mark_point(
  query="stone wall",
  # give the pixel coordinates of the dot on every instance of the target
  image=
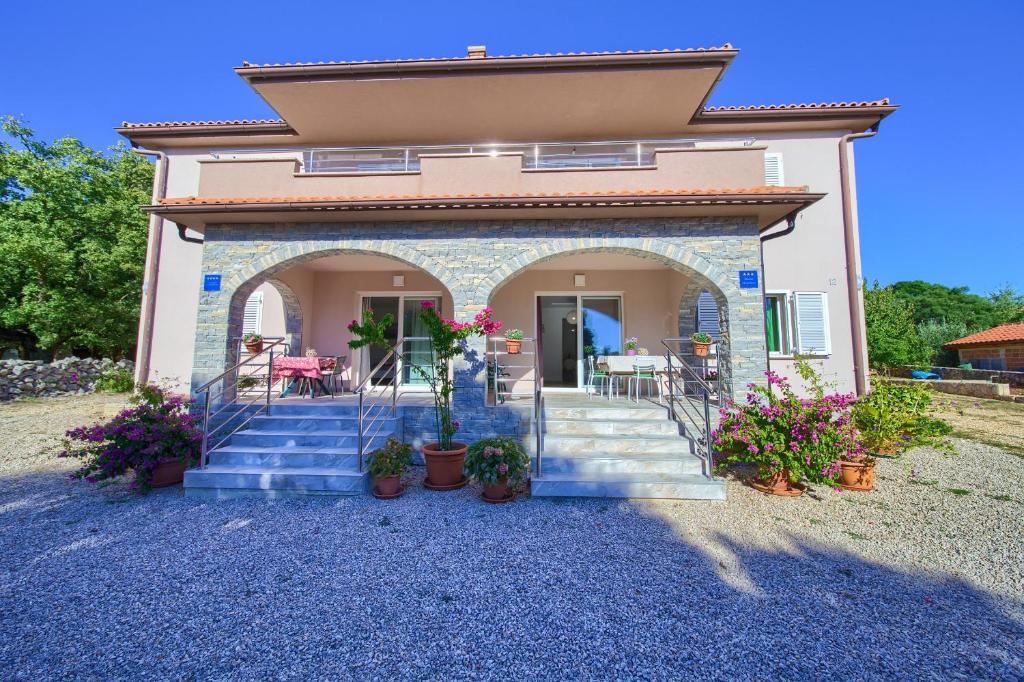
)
(975, 389)
(33, 378)
(1014, 379)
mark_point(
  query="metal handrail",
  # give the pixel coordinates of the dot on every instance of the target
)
(705, 390)
(232, 388)
(538, 397)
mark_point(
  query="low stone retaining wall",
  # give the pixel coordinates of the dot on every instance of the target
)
(1014, 379)
(975, 389)
(34, 378)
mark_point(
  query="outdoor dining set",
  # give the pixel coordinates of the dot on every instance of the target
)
(307, 374)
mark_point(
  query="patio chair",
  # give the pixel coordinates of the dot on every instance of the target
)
(331, 378)
(596, 379)
(642, 374)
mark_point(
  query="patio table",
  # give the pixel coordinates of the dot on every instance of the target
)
(305, 367)
(624, 364)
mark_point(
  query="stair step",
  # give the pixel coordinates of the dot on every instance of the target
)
(295, 456)
(596, 427)
(226, 481)
(313, 408)
(679, 487)
(324, 439)
(599, 413)
(562, 444)
(669, 464)
(293, 423)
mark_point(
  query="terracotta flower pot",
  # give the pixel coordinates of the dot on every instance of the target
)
(513, 346)
(778, 484)
(168, 472)
(497, 492)
(254, 347)
(701, 349)
(387, 486)
(857, 475)
(444, 467)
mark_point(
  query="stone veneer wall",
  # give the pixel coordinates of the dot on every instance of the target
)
(32, 378)
(473, 259)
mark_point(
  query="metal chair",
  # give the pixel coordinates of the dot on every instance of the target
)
(642, 373)
(331, 377)
(596, 378)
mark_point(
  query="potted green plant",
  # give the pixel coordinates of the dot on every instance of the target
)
(514, 341)
(632, 344)
(156, 440)
(893, 418)
(857, 472)
(792, 440)
(701, 343)
(253, 343)
(500, 464)
(247, 382)
(387, 464)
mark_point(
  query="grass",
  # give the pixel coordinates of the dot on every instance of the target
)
(959, 492)
(1000, 498)
(856, 536)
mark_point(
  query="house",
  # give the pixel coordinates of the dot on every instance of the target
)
(587, 198)
(998, 348)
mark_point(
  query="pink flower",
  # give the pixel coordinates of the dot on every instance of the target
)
(352, 325)
(426, 305)
(456, 424)
(503, 468)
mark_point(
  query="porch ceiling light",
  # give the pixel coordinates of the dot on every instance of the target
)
(579, 280)
(572, 317)
(398, 280)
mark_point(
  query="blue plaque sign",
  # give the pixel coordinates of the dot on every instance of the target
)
(212, 282)
(748, 279)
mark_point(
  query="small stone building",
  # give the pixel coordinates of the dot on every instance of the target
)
(998, 348)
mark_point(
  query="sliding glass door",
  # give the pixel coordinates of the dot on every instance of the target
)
(572, 328)
(405, 310)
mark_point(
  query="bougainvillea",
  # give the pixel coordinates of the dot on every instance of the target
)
(159, 427)
(779, 431)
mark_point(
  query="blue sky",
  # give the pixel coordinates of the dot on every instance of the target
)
(938, 187)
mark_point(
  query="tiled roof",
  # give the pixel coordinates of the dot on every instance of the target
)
(729, 191)
(796, 107)
(1004, 333)
(188, 124)
(726, 46)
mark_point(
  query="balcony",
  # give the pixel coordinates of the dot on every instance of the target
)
(533, 169)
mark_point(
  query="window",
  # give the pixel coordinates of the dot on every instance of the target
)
(773, 174)
(252, 319)
(776, 323)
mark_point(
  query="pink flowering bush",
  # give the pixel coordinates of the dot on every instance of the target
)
(491, 459)
(159, 427)
(781, 432)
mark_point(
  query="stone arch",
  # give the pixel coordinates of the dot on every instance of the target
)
(220, 316)
(702, 275)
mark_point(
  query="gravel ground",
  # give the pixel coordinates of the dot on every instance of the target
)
(921, 579)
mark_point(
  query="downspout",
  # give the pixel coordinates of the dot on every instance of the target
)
(184, 237)
(151, 278)
(790, 226)
(850, 242)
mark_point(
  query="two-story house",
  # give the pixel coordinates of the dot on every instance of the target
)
(586, 198)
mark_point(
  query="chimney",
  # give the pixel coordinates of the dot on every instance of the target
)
(476, 51)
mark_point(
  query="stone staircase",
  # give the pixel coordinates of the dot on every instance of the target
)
(297, 449)
(619, 450)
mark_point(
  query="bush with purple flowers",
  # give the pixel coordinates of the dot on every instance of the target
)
(159, 427)
(491, 459)
(781, 432)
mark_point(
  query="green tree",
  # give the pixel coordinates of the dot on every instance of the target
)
(1007, 304)
(891, 330)
(936, 334)
(72, 244)
(935, 302)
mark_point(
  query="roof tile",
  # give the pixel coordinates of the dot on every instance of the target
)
(1004, 333)
(810, 105)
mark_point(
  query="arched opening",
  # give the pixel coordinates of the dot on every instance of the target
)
(583, 306)
(316, 295)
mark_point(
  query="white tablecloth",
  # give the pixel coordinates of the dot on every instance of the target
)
(624, 364)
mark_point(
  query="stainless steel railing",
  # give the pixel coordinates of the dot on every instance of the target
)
(691, 395)
(232, 395)
(496, 371)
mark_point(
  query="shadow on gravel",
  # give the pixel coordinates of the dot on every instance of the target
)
(442, 586)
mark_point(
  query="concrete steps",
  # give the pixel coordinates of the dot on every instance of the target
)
(616, 451)
(297, 449)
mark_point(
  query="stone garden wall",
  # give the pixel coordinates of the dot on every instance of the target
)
(34, 378)
(1014, 379)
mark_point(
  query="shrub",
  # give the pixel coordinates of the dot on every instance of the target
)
(891, 331)
(701, 337)
(116, 380)
(159, 427)
(252, 338)
(490, 459)
(935, 335)
(245, 383)
(893, 418)
(391, 459)
(779, 431)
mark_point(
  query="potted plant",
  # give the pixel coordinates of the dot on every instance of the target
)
(445, 457)
(157, 440)
(247, 382)
(857, 472)
(632, 343)
(253, 343)
(514, 341)
(500, 464)
(701, 343)
(792, 440)
(387, 464)
(892, 418)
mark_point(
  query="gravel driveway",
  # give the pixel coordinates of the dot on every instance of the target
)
(921, 579)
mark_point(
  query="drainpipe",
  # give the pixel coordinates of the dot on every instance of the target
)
(850, 242)
(790, 226)
(152, 275)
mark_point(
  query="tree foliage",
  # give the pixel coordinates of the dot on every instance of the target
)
(72, 244)
(956, 304)
(891, 330)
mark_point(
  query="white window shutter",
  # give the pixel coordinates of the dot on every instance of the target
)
(810, 312)
(252, 320)
(773, 173)
(707, 315)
